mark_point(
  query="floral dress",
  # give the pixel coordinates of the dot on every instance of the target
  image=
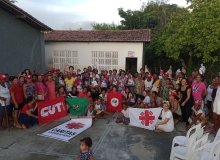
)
(139, 86)
(94, 82)
(165, 94)
(30, 90)
(121, 86)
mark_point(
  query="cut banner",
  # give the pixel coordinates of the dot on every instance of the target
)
(144, 118)
(114, 102)
(77, 105)
(69, 129)
(49, 111)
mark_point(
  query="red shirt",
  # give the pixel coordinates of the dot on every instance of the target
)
(26, 108)
(82, 95)
(90, 99)
(18, 94)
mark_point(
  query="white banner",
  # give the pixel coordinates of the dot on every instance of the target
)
(69, 129)
(144, 118)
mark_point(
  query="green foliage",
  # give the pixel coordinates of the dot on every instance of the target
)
(105, 26)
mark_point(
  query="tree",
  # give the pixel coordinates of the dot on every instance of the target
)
(105, 26)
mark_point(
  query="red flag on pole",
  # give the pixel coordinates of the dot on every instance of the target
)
(114, 102)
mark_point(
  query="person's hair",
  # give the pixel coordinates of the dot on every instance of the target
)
(23, 73)
(175, 97)
(104, 89)
(110, 70)
(115, 70)
(129, 91)
(155, 93)
(154, 102)
(115, 86)
(78, 75)
(142, 69)
(87, 141)
(62, 77)
(74, 87)
(34, 75)
(173, 75)
(146, 72)
(168, 79)
(27, 70)
(89, 91)
(182, 74)
(142, 97)
(35, 70)
(183, 79)
(85, 87)
(49, 76)
(13, 78)
(124, 103)
(61, 87)
(21, 77)
(29, 99)
(71, 67)
(122, 71)
(145, 91)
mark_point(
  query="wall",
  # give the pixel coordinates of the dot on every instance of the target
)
(85, 51)
(21, 46)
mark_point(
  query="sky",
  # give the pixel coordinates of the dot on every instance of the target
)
(75, 14)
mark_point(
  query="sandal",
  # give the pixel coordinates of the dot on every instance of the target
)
(18, 126)
(24, 127)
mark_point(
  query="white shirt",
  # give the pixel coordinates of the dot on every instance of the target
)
(146, 100)
(168, 114)
(209, 95)
(148, 85)
(126, 113)
(4, 92)
(97, 76)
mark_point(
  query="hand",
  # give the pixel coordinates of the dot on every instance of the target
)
(183, 104)
(36, 117)
(156, 125)
(3, 99)
(66, 64)
(16, 105)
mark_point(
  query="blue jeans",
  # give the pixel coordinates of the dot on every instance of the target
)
(27, 120)
(130, 103)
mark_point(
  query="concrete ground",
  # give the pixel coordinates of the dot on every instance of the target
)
(111, 141)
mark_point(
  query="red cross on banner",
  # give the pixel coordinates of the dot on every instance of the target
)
(146, 118)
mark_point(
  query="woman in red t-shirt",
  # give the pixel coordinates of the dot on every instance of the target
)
(17, 99)
(26, 117)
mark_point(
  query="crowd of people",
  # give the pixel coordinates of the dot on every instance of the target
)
(182, 98)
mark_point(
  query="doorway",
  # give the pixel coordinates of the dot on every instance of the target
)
(131, 64)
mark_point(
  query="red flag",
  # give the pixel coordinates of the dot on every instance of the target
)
(114, 102)
(49, 111)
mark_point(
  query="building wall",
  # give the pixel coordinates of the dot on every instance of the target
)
(21, 46)
(85, 52)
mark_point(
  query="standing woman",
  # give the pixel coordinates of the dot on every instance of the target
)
(17, 99)
(139, 86)
(186, 101)
(4, 97)
(103, 82)
(164, 92)
(209, 100)
(93, 84)
(51, 88)
(156, 82)
(56, 80)
(41, 89)
(121, 82)
(27, 71)
(129, 83)
(26, 117)
(175, 108)
(29, 87)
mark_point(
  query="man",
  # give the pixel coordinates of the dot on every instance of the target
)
(36, 72)
(157, 99)
(142, 73)
(148, 83)
(83, 94)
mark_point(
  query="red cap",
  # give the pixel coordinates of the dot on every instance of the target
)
(198, 103)
(29, 77)
(167, 74)
(149, 76)
(49, 71)
(2, 76)
(162, 71)
(172, 93)
(73, 72)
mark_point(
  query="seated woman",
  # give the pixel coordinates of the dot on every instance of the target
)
(128, 97)
(73, 94)
(166, 124)
(197, 117)
(124, 117)
(61, 92)
(26, 117)
(138, 104)
(103, 97)
(175, 108)
(100, 112)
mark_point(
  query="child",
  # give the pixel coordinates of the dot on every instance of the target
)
(100, 113)
(197, 116)
(85, 152)
(90, 112)
(61, 92)
(124, 117)
(153, 105)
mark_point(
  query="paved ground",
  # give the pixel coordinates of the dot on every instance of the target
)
(111, 141)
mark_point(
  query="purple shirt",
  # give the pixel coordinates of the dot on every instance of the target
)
(197, 89)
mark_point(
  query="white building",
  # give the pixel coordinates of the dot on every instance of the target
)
(122, 49)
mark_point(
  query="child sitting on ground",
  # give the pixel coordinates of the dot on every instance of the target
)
(100, 113)
(85, 152)
(124, 117)
(197, 117)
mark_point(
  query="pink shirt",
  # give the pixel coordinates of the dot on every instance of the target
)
(197, 89)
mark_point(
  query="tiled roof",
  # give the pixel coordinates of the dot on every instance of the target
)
(142, 35)
(24, 16)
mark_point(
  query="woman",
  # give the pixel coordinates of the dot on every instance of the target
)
(128, 97)
(29, 88)
(56, 80)
(186, 101)
(146, 100)
(34, 78)
(113, 78)
(175, 108)
(93, 84)
(209, 99)
(26, 117)
(69, 82)
(148, 83)
(27, 71)
(129, 83)
(17, 99)
(138, 104)
(156, 83)
(139, 86)
(41, 89)
(74, 93)
(61, 79)
(164, 92)
(51, 88)
(166, 124)
(103, 82)
(198, 89)
(103, 97)
(79, 83)
(61, 92)
(4, 99)
(121, 81)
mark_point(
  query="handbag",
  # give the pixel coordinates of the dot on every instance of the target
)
(40, 97)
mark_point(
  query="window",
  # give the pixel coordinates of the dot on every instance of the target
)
(61, 57)
(105, 59)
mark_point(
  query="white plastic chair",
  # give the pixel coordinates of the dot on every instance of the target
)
(197, 153)
(183, 152)
(184, 140)
(217, 138)
(213, 154)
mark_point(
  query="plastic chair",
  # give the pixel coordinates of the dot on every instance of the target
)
(184, 140)
(197, 153)
(183, 152)
(217, 138)
(213, 154)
